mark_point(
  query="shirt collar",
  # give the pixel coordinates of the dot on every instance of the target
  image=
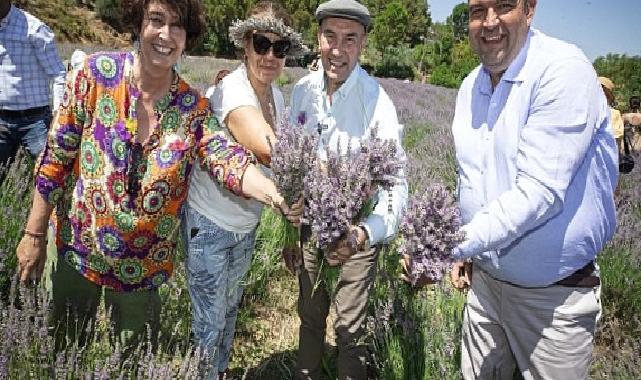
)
(5, 21)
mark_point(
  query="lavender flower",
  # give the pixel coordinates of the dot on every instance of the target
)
(293, 154)
(335, 191)
(430, 229)
(384, 162)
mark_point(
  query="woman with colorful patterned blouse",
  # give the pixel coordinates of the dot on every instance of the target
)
(116, 167)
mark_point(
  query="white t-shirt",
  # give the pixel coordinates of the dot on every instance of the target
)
(232, 213)
(210, 92)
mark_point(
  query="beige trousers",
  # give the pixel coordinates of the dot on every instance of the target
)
(547, 332)
(352, 293)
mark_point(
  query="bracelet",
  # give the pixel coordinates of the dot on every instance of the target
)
(36, 235)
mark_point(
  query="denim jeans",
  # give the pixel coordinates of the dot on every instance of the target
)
(31, 132)
(217, 262)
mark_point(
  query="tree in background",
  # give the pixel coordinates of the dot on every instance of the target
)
(458, 20)
(110, 12)
(625, 72)
(390, 27)
(220, 14)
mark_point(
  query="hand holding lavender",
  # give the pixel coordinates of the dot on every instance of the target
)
(293, 154)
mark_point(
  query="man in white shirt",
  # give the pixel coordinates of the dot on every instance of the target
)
(537, 171)
(342, 103)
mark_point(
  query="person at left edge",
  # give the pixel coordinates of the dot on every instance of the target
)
(28, 63)
(116, 167)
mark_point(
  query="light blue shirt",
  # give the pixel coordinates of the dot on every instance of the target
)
(28, 62)
(537, 165)
(357, 106)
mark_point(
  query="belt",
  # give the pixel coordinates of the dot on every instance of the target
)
(29, 112)
(583, 278)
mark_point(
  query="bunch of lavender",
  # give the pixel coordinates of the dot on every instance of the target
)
(292, 155)
(339, 194)
(384, 163)
(336, 190)
(430, 229)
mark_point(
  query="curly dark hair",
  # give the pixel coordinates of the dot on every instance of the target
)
(190, 13)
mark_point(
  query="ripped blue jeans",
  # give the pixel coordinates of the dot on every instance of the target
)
(217, 262)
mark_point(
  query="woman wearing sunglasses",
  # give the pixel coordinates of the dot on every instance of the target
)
(219, 227)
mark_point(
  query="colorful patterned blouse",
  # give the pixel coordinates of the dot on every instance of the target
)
(117, 201)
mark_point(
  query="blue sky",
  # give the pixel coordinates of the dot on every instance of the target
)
(596, 26)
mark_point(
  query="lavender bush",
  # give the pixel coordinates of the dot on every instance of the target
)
(429, 230)
(15, 199)
(27, 348)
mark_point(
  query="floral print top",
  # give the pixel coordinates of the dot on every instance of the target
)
(117, 201)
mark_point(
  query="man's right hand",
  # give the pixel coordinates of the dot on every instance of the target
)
(461, 275)
(32, 254)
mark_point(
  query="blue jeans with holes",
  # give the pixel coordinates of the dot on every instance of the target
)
(31, 132)
(217, 262)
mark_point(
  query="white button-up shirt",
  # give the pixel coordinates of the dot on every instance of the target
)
(537, 165)
(357, 106)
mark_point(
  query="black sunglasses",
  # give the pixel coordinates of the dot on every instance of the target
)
(262, 45)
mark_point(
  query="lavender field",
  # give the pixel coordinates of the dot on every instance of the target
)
(414, 335)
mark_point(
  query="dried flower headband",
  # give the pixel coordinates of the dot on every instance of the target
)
(239, 28)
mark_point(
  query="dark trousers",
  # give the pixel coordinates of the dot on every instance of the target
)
(352, 294)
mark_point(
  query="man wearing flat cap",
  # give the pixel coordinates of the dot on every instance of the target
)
(342, 103)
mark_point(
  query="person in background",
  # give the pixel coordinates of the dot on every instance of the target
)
(219, 76)
(632, 122)
(537, 169)
(116, 167)
(29, 63)
(616, 119)
(219, 227)
(343, 103)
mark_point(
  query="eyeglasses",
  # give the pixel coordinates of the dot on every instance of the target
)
(262, 45)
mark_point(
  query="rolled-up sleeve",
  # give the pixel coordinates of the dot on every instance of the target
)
(552, 147)
(225, 160)
(64, 138)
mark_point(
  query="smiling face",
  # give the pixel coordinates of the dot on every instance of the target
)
(340, 41)
(263, 68)
(498, 30)
(162, 37)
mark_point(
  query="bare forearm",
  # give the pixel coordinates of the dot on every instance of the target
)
(259, 187)
(39, 215)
